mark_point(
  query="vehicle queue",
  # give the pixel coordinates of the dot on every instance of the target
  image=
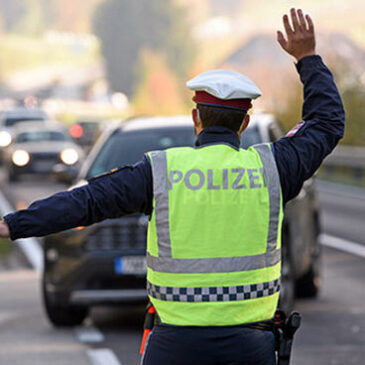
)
(115, 249)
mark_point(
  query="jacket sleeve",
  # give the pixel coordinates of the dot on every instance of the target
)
(124, 191)
(299, 154)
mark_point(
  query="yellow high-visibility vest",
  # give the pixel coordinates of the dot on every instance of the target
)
(214, 237)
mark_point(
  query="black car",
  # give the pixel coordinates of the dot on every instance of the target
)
(105, 263)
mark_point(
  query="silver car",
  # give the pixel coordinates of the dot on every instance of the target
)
(10, 118)
(41, 148)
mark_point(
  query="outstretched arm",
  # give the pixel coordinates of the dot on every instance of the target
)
(300, 153)
(125, 191)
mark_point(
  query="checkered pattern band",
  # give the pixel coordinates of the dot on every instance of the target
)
(214, 294)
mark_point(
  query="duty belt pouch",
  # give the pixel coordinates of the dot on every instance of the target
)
(149, 322)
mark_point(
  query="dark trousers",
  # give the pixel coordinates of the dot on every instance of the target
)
(170, 345)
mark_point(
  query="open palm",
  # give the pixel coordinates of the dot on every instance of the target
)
(300, 38)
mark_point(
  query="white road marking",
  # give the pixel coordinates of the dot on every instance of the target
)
(342, 244)
(102, 357)
(30, 246)
(88, 335)
(33, 252)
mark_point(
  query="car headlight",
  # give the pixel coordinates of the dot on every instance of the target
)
(20, 158)
(69, 156)
(5, 139)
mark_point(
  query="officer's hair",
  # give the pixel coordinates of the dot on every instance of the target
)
(229, 118)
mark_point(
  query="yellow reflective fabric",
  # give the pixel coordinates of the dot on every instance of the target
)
(209, 235)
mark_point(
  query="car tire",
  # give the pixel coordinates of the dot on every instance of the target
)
(63, 315)
(287, 292)
(309, 285)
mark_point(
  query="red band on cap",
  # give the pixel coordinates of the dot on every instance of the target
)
(205, 98)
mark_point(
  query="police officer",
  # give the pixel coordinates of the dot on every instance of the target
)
(215, 212)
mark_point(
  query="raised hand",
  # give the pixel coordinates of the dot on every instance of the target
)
(300, 38)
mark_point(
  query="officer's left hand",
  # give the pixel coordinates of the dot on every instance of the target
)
(300, 39)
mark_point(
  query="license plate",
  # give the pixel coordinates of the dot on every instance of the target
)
(43, 165)
(136, 265)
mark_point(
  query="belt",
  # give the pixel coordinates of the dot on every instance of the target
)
(263, 326)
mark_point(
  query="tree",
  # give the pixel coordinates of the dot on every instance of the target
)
(353, 99)
(126, 27)
(158, 90)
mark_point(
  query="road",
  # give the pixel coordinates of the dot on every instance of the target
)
(333, 331)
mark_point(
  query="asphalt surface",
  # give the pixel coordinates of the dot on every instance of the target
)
(333, 330)
(25, 335)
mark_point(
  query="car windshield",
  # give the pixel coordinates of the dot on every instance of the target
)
(11, 121)
(250, 137)
(40, 136)
(127, 148)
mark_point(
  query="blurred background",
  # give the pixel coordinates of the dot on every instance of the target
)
(70, 70)
(114, 58)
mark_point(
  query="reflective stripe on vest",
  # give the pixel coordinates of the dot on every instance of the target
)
(165, 263)
(214, 293)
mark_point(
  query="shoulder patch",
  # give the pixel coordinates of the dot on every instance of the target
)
(295, 129)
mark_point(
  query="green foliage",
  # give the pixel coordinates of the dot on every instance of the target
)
(126, 27)
(352, 91)
(290, 112)
(353, 99)
(5, 248)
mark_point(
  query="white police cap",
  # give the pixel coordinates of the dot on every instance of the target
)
(225, 85)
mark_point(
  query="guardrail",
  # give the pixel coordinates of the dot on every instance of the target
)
(347, 156)
(345, 165)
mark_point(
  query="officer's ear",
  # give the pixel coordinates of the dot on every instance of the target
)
(198, 126)
(244, 125)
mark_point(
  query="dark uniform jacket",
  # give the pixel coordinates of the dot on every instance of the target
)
(129, 189)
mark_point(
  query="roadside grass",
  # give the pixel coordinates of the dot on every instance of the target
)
(5, 248)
